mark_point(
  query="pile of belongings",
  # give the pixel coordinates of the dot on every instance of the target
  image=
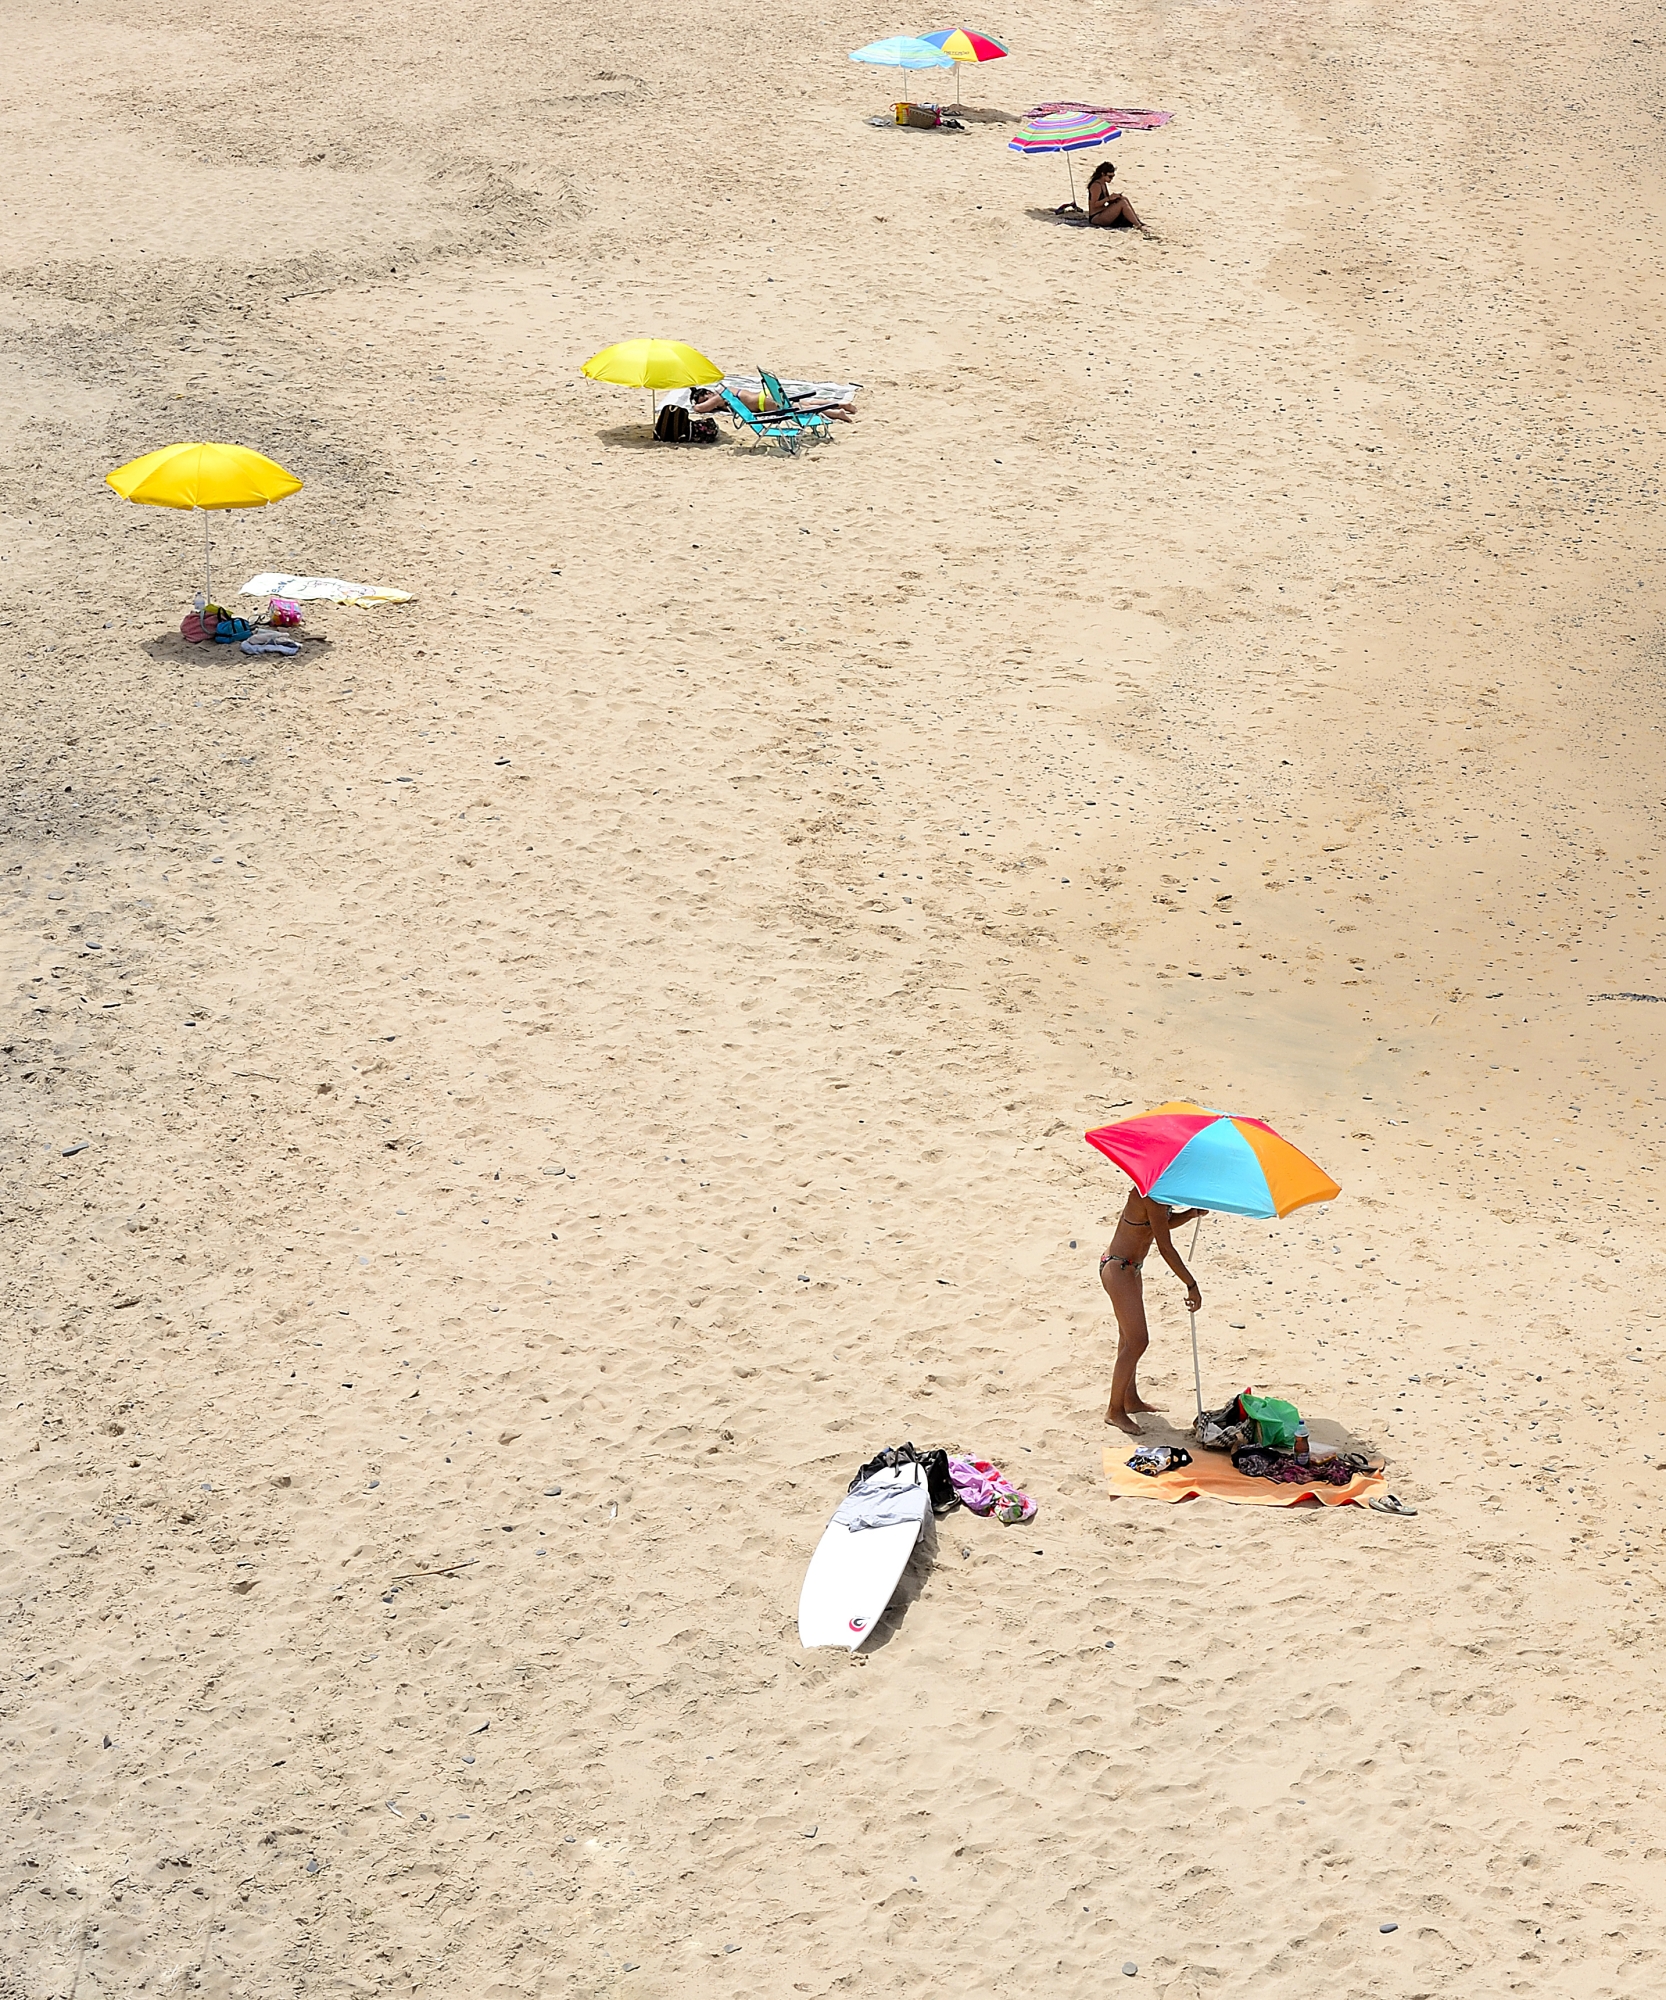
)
(1261, 1432)
(274, 633)
(213, 622)
(974, 1483)
(1248, 1419)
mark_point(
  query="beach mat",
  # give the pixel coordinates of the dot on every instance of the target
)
(1212, 1475)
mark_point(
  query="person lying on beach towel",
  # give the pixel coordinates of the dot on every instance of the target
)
(707, 402)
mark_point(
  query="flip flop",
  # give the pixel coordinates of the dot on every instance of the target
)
(1387, 1503)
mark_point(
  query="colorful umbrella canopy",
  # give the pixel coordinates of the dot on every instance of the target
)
(1063, 132)
(966, 45)
(652, 364)
(213, 477)
(1125, 121)
(1191, 1158)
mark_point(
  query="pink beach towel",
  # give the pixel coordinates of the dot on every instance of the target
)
(985, 1489)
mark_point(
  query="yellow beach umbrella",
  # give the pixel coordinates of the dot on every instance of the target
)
(652, 364)
(212, 477)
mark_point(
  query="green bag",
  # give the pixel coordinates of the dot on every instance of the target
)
(1275, 1421)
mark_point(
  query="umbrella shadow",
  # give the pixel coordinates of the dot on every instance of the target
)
(638, 437)
(913, 1581)
(627, 437)
(170, 649)
(1322, 1430)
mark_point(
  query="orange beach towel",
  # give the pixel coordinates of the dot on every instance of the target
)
(1213, 1474)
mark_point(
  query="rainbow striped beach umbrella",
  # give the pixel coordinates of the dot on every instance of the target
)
(966, 45)
(1187, 1157)
(1064, 132)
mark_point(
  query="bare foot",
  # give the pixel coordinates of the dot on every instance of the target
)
(1138, 1403)
(1123, 1422)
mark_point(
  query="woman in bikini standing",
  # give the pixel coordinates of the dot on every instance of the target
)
(1142, 1223)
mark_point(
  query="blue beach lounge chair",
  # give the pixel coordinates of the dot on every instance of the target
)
(811, 419)
(787, 428)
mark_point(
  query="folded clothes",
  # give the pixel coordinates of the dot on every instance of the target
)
(269, 642)
(1153, 1460)
(883, 1501)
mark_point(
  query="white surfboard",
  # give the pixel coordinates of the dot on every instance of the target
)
(853, 1574)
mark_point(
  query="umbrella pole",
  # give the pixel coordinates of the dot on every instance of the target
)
(1197, 1369)
(207, 568)
(1070, 168)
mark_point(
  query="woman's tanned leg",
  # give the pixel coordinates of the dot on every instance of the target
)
(1127, 1296)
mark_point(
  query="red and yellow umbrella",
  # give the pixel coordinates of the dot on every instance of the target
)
(965, 45)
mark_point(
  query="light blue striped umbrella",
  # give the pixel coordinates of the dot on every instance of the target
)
(903, 52)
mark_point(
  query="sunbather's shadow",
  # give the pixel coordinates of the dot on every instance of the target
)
(920, 1565)
(1079, 221)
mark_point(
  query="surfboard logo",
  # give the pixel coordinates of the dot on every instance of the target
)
(859, 1624)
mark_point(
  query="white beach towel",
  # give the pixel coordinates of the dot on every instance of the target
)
(330, 589)
(826, 392)
(752, 385)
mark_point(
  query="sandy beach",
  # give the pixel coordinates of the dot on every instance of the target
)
(507, 1110)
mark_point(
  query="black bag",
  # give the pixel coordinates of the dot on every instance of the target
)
(671, 426)
(933, 1464)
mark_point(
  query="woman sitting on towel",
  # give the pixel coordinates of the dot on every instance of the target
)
(1142, 1223)
(708, 403)
(1106, 208)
